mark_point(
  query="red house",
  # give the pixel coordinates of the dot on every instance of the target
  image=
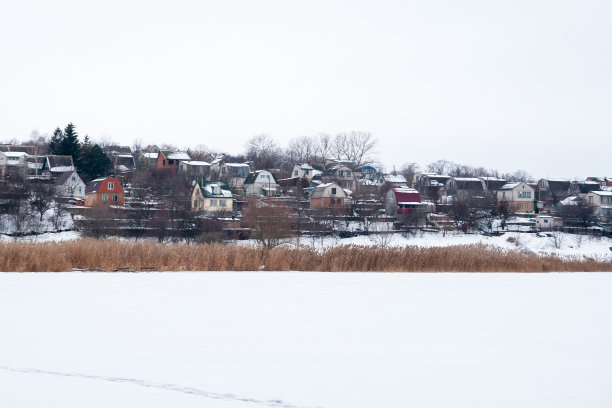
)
(104, 191)
(402, 200)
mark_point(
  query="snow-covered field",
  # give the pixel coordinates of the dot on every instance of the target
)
(305, 340)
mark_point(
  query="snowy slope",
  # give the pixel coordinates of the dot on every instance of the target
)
(305, 340)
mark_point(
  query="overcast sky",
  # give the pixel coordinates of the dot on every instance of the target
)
(506, 85)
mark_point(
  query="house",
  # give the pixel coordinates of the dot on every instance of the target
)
(341, 175)
(69, 184)
(492, 184)
(260, 182)
(13, 164)
(432, 186)
(545, 222)
(168, 161)
(55, 165)
(583, 187)
(603, 181)
(367, 173)
(466, 187)
(194, 168)
(30, 150)
(35, 165)
(124, 163)
(602, 201)
(403, 200)
(304, 170)
(236, 174)
(551, 191)
(328, 195)
(150, 157)
(232, 173)
(104, 191)
(519, 196)
(212, 197)
(393, 180)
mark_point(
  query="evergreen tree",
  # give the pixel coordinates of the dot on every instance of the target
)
(56, 141)
(70, 145)
(94, 163)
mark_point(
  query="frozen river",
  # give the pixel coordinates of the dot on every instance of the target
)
(279, 339)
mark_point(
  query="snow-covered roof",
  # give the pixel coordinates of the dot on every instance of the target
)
(151, 155)
(602, 193)
(209, 187)
(61, 169)
(196, 163)
(394, 178)
(305, 166)
(177, 156)
(572, 200)
(510, 186)
(405, 190)
(237, 164)
(16, 154)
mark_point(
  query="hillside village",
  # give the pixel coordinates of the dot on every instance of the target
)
(319, 187)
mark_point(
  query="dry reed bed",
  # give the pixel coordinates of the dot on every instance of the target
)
(112, 254)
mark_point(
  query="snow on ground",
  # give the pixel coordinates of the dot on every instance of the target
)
(46, 237)
(305, 340)
(570, 245)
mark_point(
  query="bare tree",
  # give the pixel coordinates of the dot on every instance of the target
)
(269, 221)
(20, 213)
(323, 147)
(302, 149)
(40, 196)
(263, 151)
(408, 170)
(440, 166)
(355, 147)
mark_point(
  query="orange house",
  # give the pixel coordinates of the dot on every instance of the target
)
(104, 191)
(169, 160)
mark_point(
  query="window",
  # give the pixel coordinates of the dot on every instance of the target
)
(545, 221)
(295, 173)
(332, 201)
(306, 172)
(115, 198)
(333, 190)
(222, 203)
(73, 179)
(170, 162)
(104, 197)
(213, 203)
(111, 185)
(80, 189)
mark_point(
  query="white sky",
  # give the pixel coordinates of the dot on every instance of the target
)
(506, 85)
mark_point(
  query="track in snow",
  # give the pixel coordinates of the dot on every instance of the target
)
(170, 387)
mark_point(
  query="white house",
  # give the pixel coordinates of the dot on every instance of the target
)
(304, 170)
(260, 182)
(13, 163)
(519, 196)
(547, 222)
(602, 201)
(69, 184)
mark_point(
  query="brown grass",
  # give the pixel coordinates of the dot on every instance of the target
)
(111, 255)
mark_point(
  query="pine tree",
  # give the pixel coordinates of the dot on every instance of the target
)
(70, 145)
(94, 163)
(56, 141)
